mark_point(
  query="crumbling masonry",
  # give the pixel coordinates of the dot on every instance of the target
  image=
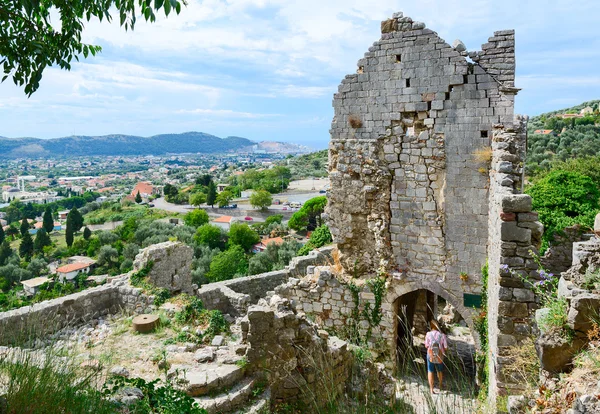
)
(425, 149)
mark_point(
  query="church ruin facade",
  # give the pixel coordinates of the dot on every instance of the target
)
(425, 149)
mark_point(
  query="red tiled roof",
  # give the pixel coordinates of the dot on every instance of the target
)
(223, 219)
(142, 188)
(276, 240)
(72, 267)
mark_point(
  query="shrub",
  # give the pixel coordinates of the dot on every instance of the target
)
(196, 218)
(241, 234)
(228, 264)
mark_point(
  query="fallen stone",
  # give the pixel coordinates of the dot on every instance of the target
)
(204, 355)
(218, 340)
(119, 371)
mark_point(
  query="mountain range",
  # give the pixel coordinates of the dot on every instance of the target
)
(107, 145)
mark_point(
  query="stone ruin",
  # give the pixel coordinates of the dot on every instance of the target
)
(426, 166)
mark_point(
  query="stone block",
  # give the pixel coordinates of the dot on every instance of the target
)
(509, 231)
(515, 203)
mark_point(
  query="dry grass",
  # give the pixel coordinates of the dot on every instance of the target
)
(483, 155)
(524, 365)
(336, 266)
(355, 122)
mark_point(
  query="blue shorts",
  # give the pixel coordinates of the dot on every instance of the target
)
(433, 367)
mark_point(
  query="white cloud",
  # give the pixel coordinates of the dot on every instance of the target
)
(227, 113)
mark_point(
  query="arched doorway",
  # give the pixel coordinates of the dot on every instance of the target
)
(413, 311)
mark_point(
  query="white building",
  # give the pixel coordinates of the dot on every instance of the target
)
(32, 286)
(71, 271)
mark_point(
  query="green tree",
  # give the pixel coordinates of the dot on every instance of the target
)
(138, 198)
(242, 235)
(37, 266)
(211, 196)
(26, 246)
(76, 219)
(69, 232)
(224, 198)
(31, 40)
(24, 226)
(228, 264)
(309, 216)
(210, 235)
(87, 233)
(48, 221)
(261, 199)
(204, 180)
(259, 263)
(107, 255)
(320, 237)
(5, 252)
(197, 199)
(41, 240)
(130, 251)
(274, 219)
(2, 235)
(170, 191)
(564, 198)
(196, 218)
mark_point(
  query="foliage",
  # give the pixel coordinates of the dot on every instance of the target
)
(319, 238)
(41, 240)
(197, 199)
(5, 252)
(241, 234)
(196, 218)
(261, 199)
(591, 280)
(107, 255)
(163, 399)
(48, 220)
(228, 264)
(272, 180)
(50, 386)
(29, 42)
(24, 228)
(224, 198)
(138, 198)
(201, 263)
(211, 195)
(308, 165)
(274, 219)
(87, 233)
(2, 235)
(26, 246)
(211, 236)
(18, 210)
(309, 216)
(275, 257)
(563, 199)
(76, 219)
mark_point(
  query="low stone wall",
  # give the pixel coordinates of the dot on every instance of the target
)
(559, 256)
(49, 316)
(234, 296)
(171, 266)
(301, 363)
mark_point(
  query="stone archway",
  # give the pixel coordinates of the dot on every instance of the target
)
(398, 288)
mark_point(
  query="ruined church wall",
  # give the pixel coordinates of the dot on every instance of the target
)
(406, 191)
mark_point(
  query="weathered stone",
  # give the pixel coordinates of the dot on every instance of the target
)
(170, 265)
(516, 203)
(205, 354)
(510, 231)
(459, 46)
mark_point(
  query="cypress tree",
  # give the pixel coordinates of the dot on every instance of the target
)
(26, 246)
(2, 235)
(5, 252)
(138, 198)
(41, 240)
(76, 219)
(24, 226)
(48, 220)
(211, 197)
(87, 233)
(69, 231)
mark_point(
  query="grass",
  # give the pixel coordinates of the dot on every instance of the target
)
(556, 318)
(523, 365)
(50, 384)
(483, 155)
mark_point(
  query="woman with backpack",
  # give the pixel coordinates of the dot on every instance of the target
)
(436, 345)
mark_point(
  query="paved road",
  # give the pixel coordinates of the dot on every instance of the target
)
(161, 204)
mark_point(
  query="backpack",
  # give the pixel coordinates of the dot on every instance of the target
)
(435, 348)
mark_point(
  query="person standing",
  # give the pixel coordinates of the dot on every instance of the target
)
(436, 345)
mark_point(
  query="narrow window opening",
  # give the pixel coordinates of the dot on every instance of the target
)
(408, 83)
(361, 69)
(447, 96)
(398, 58)
(466, 78)
(484, 134)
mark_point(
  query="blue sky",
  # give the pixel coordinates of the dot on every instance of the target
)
(267, 69)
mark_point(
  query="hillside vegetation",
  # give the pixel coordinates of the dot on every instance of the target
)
(570, 137)
(120, 145)
(308, 165)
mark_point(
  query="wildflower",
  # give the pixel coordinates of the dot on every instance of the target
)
(504, 267)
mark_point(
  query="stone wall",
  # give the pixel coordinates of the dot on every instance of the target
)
(558, 257)
(171, 266)
(234, 296)
(301, 363)
(407, 192)
(49, 316)
(514, 231)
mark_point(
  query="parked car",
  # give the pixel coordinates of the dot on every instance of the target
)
(151, 205)
(322, 191)
(284, 208)
(230, 206)
(247, 218)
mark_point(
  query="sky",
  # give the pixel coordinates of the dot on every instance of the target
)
(267, 69)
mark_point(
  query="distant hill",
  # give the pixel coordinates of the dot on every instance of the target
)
(188, 142)
(308, 165)
(560, 138)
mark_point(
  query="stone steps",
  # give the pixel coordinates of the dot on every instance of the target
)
(229, 400)
(260, 406)
(208, 378)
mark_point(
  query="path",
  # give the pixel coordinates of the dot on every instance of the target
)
(415, 392)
